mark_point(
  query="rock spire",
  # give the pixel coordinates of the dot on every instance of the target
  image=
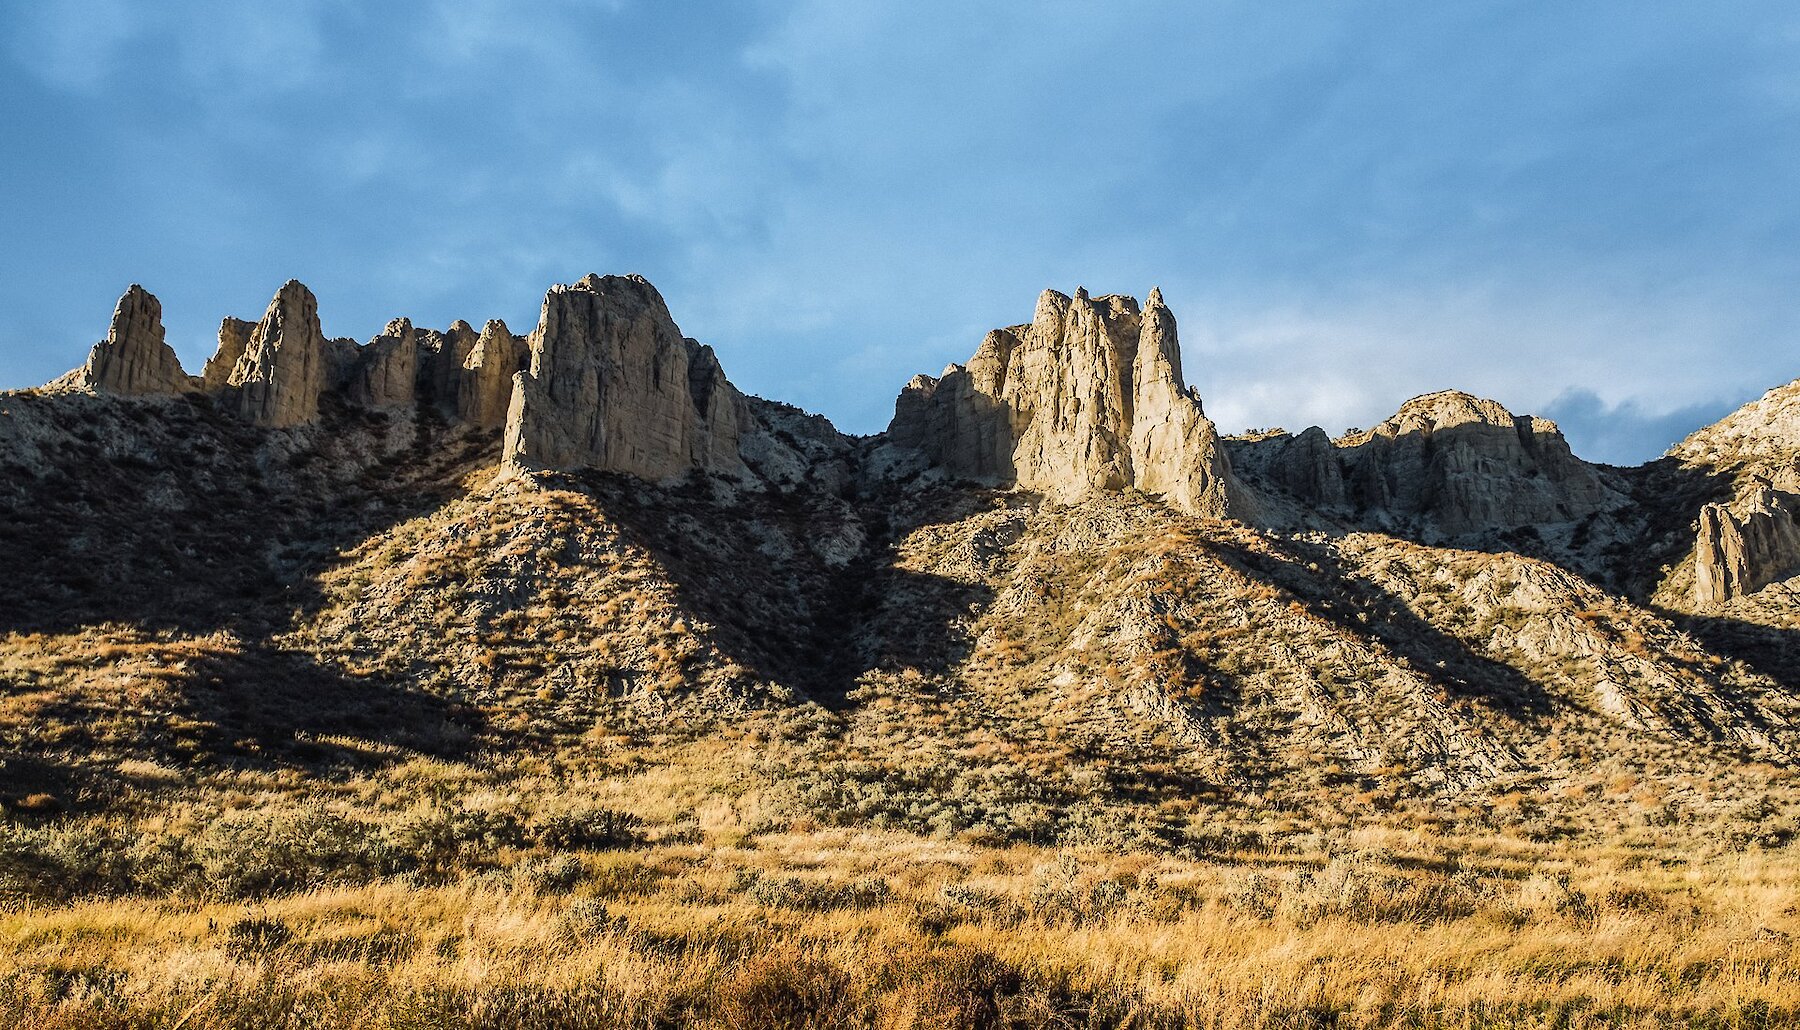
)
(284, 366)
(1087, 397)
(614, 385)
(134, 360)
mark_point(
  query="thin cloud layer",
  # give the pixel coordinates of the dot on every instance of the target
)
(1582, 209)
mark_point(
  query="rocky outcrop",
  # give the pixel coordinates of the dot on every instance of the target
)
(285, 365)
(613, 385)
(386, 371)
(1761, 438)
(1745, 545)
(1468, 465)
(1307, 466)
(1175, 450)
(606, 381)
(134, 360)
(485, 381)
(234, 340)
(1087, 398)
(1447, 462)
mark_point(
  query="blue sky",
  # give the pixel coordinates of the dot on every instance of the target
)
(1586, 210)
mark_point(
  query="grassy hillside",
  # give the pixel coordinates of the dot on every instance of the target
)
(338, 727)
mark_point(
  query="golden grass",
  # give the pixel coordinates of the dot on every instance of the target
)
(959, 935)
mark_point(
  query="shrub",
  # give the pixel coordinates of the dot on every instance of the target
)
(555, 875)
(256, 935)
(257, 853)
(813, 895)
(584, 920)
(59, 862)
(781, 991)
(441, 841)
(962, 987)
(589, 829)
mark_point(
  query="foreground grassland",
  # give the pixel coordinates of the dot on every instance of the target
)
(847, 928)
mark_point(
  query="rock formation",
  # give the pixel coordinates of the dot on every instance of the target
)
(441, 358)
(1453, 462)
(613, 385)
(133, 360)
(1746, 544)
(285, 366)
(485, 384)
(1761, 438)
(387, 369)
(1087, 398)
(1469, 464)
(234, 339)
(1307, 466)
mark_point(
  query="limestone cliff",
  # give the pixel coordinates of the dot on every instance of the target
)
(386, 371)
(1745, 545)
(234, 340)
(614, 385)
(485, 375)
(1468, 464)
(1449, 462)
(134, 360)
(285, 365)
(1087, 398)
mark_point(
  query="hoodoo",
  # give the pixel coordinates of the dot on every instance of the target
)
(133, 360)
(1087, 398)
(614, 385)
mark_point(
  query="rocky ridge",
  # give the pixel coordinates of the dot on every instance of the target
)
(1446, 463)
(606, 381)
(614, 385)
(1050, 552)
(1088, 398)
(1747, 539)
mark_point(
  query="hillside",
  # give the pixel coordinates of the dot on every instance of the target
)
(336, 614)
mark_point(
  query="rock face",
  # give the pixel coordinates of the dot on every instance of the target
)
(1761, 438)
(285, 365)
(613, 385)
(1087, 398)
(1307, 466)
(1469, 464)
(485, 383)
(606, 381)
(234, 339)
(133, 360)
(1745, 545)
(386, 371)
(1453, 462)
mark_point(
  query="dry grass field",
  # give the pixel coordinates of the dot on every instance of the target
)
(373, 740)
(846, 928)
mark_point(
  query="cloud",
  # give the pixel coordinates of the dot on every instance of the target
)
(1345, 204)
(72, 45)
(1351, 357)
(1628, 433)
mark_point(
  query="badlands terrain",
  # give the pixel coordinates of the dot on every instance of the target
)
(468, 678)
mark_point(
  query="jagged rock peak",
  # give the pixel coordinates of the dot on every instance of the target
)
(234, 339)
(487, 371)
(134, 360)
(1448, 462)
(613, 385)
(386, 372)
(284, 367)
(1086, 398)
